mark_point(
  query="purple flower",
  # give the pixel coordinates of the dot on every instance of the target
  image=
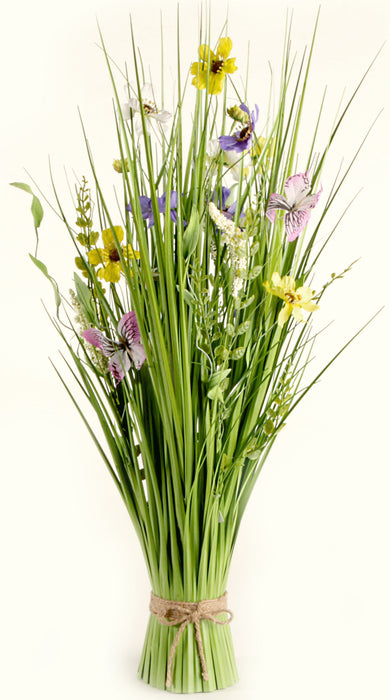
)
(297, 203)
(147, 209)
(129, 350)
(228, 211)
(242, 139)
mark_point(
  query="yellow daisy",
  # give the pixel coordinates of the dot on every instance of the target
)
(109, 256)
(212, 68)
(296, 299)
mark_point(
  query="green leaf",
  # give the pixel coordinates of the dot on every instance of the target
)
(88, 239)
(222, 352)
(42, 267)
(254, 272)
(191, 234)
(218, 377)
(243, 327)
(226, 461)
(36, 206)
(215, 394)
(85, 298)
(247, 302)
(238, 353)
(217, 387)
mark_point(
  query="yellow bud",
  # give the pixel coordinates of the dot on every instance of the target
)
(238, 114)
(118, 165)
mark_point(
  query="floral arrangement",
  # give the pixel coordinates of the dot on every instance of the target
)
(189, 328)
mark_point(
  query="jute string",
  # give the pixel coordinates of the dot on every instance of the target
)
(177, 612)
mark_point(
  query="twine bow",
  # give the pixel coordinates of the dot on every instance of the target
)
(177, 612)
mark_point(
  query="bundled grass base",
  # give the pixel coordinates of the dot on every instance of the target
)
(186, 668)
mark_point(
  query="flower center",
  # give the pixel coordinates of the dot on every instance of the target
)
(149, 107)
(244, 134)
(216, 66)
(292, 297)
(114, 255)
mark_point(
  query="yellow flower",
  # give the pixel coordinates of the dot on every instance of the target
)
(211, 69)
(109, 256)
(296, 299)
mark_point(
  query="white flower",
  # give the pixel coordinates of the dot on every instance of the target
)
(134, 108)
(231, 160)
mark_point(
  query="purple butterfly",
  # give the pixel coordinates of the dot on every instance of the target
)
(129, 350)
(297, 203)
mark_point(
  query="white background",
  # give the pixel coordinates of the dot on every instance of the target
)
(311, 574)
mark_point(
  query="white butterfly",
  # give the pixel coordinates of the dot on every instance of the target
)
(296, 204)
(123, 354)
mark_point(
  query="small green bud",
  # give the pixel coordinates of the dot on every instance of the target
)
(237, 114)
(118, 165)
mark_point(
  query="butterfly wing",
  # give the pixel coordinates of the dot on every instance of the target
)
(297, 187)
(295, 221)
(128, 330)
(119, 365)
(276, 201)
(137, 354)
(99, 340)
(311, 200)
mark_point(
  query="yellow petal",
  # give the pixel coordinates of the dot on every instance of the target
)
(276, 287)
(130, 253)
(224, 47)
(108, 236)
(297, 313)
(200, 80)
(216, 81)
(276, 279)
(196, 68)
(284, 314)
(205, 53)
(229, 66)
(309, 306)
(305, 293)
(95, 256)
(112, 272)
(288, 284)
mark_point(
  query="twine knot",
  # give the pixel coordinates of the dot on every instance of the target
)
(177, 612)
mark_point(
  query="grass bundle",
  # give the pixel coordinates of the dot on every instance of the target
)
(189, 329)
